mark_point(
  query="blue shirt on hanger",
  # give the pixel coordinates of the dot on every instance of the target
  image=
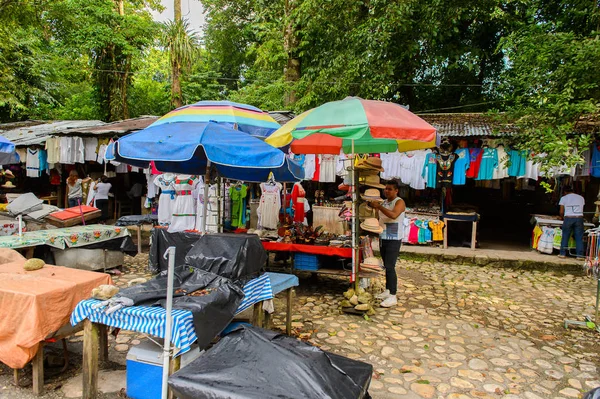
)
(461, 165)
(489, 162)
(517, 161)
(430, 170)
(595, 164)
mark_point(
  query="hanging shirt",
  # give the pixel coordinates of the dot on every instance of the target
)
(90, 146)
(474, 162)
(328, 167)
(429, 172)
(437, 228)
(237, 194)
(65, 150)
(595, 163)
(517, 163)
(309, 166)
(33, 162)
(532, 168)
(461, 165)
(489, 162)
(584, 169)
(501, 171)
(53, 150)
(101, 152)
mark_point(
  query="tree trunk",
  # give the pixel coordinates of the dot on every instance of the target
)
(292, 69)
(176, 96)
(177, 10)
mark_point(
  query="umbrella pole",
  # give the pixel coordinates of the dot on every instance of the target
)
(219, 208)
(355, 219)
(170, 252)
(205, 200)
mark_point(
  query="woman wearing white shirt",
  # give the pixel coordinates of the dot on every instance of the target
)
(102, 188)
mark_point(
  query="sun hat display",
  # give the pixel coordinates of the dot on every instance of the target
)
(372, 225)
(373, 163)
(371, 263)
(365, 211)
(372, 194)
(8, 173)
(372, 181)
(8, 184)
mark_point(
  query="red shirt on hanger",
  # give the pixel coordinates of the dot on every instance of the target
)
(475, 154)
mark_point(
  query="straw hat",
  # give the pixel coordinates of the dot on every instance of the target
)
(372, 225)
(371, 263)
(372, 181)
(8, 184)
(372, 163)
(8, 173)
(365, 211)
(372, 194)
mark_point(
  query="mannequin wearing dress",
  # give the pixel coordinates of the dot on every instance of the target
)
(298, 198)
(166, 200)
(184, 210)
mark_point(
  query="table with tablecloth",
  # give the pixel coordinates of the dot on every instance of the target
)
(71, 237)
(152, 320)
(308, 249)
(36, 304)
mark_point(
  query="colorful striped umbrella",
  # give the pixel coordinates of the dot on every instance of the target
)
(242, 117)
(374, 126)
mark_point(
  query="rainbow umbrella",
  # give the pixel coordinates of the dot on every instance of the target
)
(242, 117)
(373, 126)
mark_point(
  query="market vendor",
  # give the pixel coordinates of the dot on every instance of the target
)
(571, 210)
(74, 188)
(391, 220)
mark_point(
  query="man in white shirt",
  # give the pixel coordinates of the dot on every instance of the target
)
(571, 210)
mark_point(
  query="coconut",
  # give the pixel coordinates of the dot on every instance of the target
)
(33, 264)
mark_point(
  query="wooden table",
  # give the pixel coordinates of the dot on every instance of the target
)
(50, 199)
(470, 217)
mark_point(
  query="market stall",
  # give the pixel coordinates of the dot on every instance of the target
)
(36, 305)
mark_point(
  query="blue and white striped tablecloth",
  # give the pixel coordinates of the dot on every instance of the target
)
(152, 320)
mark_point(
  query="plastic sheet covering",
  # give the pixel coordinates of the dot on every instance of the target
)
(212, 312)
(235, 256)
(24, 204)
(161, 239)
(136, 220)
(251, 362)
(593, 394)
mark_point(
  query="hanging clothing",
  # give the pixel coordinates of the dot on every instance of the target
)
(535, 239)
(445, 168)
(532, 168)
(501, 171)
(407, 224)
(391, 163)
(33, 162)
(184, 209)
(90, 147)
(413, 235)
(584, 169)
(517, 163)
(237, 195)
(595, 162)
(298, 199)
(429, 172)
(269, 206)
(166, 200)
(309, 166)
(53, 150)
(461, 165)
(489, 162)
(474, 162)
(437, 230)
(407, 166)
(328, 167)
(212, 214)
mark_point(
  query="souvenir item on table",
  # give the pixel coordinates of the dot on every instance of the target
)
(166, 200)
(372, 181)
(371, 225)
(372, 194)
(298, 198)
(270, 204)
(184, 209)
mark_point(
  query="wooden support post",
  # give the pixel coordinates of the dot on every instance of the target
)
(174, 365)
(474, 236)
(16, 376)
(103, 342)
(37, 365)
(288, 312)
(257, 317)
(29, 252)
(90, 359)
(267, 321)
(445, 233)
(139, 238)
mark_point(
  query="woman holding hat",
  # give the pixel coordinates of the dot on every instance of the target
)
(391, 220)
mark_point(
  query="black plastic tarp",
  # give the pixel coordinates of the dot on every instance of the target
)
(235, 256)
(161, 239)
(136, 220)
(123, 244)
(212, 312)
(251, 362)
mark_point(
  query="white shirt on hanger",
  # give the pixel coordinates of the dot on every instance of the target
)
(90, 145)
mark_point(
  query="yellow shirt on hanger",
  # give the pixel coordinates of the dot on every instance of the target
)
(437, 228)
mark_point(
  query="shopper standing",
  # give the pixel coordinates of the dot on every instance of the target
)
(571, 210)
(102, 188)
(391, 219)
(74, 189)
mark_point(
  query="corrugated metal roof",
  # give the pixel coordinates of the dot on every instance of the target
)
(31, 135)
(468, 125)
(117, 128)
(282, 117)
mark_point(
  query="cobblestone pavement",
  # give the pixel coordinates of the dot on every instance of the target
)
(458, 332)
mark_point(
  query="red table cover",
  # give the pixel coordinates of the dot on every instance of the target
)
(308, 249)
